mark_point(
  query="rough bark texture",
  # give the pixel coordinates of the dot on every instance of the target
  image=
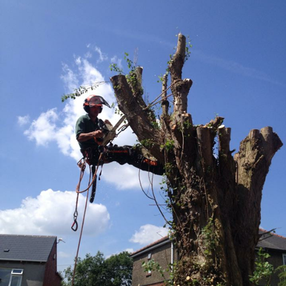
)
(215, 201)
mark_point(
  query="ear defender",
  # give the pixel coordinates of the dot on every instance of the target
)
(86, 108)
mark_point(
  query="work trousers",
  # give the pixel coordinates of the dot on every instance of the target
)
(122, 155)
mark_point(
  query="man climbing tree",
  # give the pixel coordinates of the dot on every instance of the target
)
(90, 131)
(215, 201)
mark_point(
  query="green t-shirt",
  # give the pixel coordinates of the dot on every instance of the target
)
(85, 125)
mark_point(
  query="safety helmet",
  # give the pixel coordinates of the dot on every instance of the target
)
(94, 100)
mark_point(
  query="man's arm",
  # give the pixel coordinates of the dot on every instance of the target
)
(82, 137)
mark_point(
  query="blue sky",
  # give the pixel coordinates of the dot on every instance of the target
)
(238, 69)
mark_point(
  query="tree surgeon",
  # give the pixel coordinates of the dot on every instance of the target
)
(90, 131)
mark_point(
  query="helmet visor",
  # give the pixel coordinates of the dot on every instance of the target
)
(97, 100)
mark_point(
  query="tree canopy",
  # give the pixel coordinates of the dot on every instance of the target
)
(96, 270)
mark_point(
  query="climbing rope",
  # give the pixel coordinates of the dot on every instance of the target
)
(82, 164)
(81, 232)
(91, 181)
(153, 197)
(159, 97)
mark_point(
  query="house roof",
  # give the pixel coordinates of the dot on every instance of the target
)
(268, 240)
(26, 247)
(151, 246)
(271, 240)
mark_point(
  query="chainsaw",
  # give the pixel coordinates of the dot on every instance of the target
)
(109, 131)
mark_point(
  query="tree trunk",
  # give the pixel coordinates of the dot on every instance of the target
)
(215, 200)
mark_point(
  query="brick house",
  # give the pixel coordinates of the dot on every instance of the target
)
(161, 251)
(27, 260)
(275, 245)
(164, 252)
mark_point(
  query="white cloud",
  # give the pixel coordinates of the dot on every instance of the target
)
(129, 250)
(23, 120)
(128, 177)
(42, 130)
(51, 213)
(88, 55)
(148, 233)
(102, 56)
(89, 73)
(69, 77)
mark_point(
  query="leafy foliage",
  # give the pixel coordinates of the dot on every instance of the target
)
(95, 270)
(131, 77)
(81, 90)
(153, 265)
(168, 146)
(188, 48)
(263, 269)
(282, 275)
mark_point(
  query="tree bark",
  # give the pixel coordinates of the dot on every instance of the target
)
(215, 200)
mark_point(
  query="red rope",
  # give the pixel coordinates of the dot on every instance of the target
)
(90, 182)
(81, 232)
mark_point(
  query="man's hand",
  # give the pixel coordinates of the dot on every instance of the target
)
(97, 133)
(87, 136)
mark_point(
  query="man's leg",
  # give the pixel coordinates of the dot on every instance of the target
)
(132, 156)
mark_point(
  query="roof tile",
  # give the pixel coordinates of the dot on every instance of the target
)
(26, 247)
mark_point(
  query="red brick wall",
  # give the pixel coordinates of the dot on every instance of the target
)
(52, 278)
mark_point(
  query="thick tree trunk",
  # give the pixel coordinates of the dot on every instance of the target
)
(215, 201)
